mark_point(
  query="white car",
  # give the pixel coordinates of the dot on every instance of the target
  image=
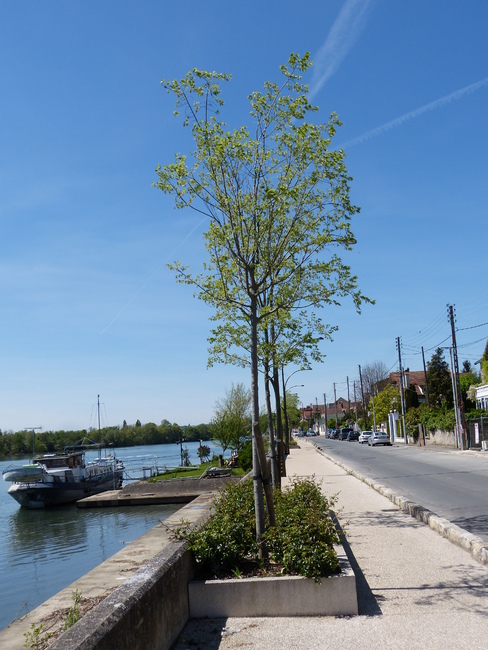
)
(379, 438)
(364, 436)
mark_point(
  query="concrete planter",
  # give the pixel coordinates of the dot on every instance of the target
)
(276, 596)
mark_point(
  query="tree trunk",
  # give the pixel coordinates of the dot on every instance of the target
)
(260, 469)
(274, 464)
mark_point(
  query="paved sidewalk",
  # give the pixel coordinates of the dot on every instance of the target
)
(416, 590)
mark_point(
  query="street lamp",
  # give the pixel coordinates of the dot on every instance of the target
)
(287, 429)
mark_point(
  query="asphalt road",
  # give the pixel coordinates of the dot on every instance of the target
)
(450, 483)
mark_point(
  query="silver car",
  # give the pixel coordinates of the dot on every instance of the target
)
(379, 438)
(364, 436)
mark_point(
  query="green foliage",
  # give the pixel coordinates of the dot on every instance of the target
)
(412, 421)
(304, 536)
(35, 639)
(466, 381)
(411, 398)
(292, 410)
(384, 402)
(433, 419)
(232, 420)
(228, 538)
(203, 453)
(439, 380)
(245, 457)
(20, 443)
(302, 542)
(74, 613)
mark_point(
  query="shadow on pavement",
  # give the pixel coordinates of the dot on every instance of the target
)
(478, 525)
(202, 634)
(367, 601)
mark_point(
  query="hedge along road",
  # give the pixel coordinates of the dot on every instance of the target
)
(451, 483)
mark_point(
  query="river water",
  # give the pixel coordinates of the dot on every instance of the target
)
(44, 551)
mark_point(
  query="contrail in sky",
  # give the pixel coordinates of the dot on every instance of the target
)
(438, 103)
(342, 36)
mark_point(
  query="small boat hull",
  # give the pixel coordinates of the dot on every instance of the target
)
(24, 474)
(45, 495)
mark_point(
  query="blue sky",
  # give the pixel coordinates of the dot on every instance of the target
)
(87, 305)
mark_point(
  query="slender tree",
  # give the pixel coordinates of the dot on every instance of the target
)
(439, 378)
(277, 201)
(232, 418)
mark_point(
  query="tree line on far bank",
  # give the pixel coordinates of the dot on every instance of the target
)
(20, 443)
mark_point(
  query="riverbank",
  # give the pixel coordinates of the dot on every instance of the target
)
(97, 585)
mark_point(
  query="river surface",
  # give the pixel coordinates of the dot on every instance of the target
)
(44, 551)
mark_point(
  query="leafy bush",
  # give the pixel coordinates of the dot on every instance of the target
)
(245, 457)
(302, 543)
(228, 538)
(304, 537)
(434, 419)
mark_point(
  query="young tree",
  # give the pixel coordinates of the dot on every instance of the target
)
(232, 420)
(278, 203)
(439, 380)
(387, 400)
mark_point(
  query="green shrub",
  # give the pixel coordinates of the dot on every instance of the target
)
(304, 537)
(228, 538)
(245, 457)
(302, 543)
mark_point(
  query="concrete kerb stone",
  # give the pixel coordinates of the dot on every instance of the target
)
(474, 545)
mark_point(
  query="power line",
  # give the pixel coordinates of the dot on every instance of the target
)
(462, 329)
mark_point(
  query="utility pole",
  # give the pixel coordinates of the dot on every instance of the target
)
(355, 402)
(426, 380)
(348, 398)
(325, 414)
(402, 395)
(462, 421)
(362, 397)
(317, 410)
(335, 402)
(456, 408)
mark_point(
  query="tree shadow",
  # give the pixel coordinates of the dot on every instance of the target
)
(387, 518)
(469, 581)
(477, 525)
(367, 600)
(202, 634)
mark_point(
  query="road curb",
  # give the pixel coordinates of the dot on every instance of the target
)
(473, 544)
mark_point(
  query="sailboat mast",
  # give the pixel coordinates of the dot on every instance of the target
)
(98, 406)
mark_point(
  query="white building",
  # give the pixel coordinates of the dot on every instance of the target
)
(482, 397)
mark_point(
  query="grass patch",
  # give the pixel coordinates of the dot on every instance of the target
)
(193, 471)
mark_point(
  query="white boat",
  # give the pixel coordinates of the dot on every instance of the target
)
(26, 473)
(64, 478)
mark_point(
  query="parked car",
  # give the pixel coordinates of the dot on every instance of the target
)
(379, 438)
(353, 435)
(343, 433)
(364, 436)
(334, 434)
